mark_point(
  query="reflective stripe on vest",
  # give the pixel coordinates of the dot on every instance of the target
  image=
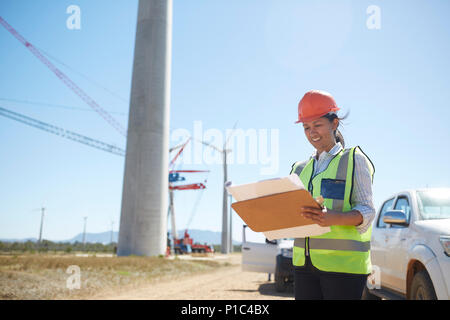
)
(334, 244)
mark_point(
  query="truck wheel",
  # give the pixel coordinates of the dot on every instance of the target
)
(280, 279)
(280, 283)
(422, 287)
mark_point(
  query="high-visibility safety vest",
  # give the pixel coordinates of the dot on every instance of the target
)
(343, 249)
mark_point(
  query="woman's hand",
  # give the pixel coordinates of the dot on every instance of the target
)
(323, 218)
(327, 217)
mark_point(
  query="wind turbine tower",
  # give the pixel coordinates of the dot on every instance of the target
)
(143, 224)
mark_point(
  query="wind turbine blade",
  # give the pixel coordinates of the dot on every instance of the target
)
(231, 134)
(209, 145)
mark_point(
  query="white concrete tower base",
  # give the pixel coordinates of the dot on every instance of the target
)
(143, 221)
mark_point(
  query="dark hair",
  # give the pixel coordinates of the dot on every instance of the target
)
(337, 134)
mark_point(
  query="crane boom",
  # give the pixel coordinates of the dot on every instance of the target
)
(65, 79)
(179, 152)
(61, 132)
(192, 186)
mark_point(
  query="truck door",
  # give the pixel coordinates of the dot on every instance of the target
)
(396, 255)
(379, 238)
(258, 257)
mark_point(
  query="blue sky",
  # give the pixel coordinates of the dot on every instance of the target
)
(246, 61)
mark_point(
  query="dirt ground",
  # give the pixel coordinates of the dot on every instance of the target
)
(32, 276)
(224, 283)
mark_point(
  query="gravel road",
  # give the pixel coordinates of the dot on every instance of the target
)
(228, 282)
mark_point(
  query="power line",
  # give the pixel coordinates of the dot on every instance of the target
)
(83, 75)
(61, 132)
(54, 105)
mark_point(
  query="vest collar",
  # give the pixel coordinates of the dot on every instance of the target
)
(333, 151)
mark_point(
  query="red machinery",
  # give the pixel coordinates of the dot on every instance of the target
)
(183, 245)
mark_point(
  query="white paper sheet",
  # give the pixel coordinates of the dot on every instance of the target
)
(274, 186)
(265, 187)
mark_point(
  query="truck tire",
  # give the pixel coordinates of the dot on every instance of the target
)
(280, 280)
(422, 287)
(280, 283)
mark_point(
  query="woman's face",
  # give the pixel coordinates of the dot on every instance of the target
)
(320, 133)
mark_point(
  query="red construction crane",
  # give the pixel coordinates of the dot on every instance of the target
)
(190, 171)
(192, 186)
(65, 79)
(172, 187)
(172, 163)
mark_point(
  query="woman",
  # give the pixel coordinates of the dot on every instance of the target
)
(333, 265)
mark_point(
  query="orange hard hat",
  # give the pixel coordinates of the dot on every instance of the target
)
(315, 104)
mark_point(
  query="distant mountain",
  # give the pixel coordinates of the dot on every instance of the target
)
(200, 236)
(102, 237)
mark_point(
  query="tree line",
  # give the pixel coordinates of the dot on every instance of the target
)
(67, 247)
(49, 246)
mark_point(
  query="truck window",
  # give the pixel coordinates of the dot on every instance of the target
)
(402, 204)
(386, 206)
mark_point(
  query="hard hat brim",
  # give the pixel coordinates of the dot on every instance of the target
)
(315, 117)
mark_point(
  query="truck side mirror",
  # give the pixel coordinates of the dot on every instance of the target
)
(397, 217)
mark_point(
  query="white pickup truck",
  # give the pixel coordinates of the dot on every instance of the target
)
(410, 246)
(410, 249)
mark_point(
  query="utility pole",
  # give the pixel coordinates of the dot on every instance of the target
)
(42, 225)
(84, 233)
(112, 231)
(172, 216)
(231, 225)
